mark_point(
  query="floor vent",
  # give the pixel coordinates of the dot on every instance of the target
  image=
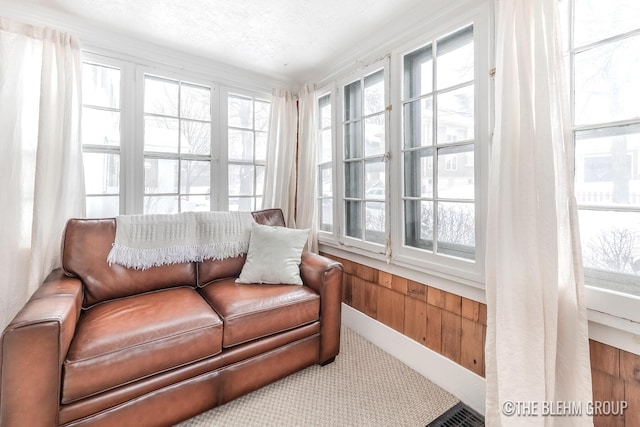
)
(459, 416)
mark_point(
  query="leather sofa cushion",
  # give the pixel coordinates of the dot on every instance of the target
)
(87, 243)
(124, 340)
(252, 311)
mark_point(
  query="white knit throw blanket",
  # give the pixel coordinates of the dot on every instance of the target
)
(144, 241)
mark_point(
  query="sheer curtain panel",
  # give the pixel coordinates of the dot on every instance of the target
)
(307, 148)
(280, 173)
(537, 346)
(41, 173)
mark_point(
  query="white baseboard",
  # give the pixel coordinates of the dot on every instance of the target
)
(457, 380)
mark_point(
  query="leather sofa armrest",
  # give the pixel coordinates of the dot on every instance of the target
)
(33, 348)
(325, 277)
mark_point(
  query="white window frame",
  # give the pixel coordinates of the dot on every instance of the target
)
(161, 74)
(606, 306)
(323, 235)
(223, 163)
(339, 156)
(442, 265)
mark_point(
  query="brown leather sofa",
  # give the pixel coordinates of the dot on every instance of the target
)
(110, 346)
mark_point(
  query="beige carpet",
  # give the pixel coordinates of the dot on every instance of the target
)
(363, 387)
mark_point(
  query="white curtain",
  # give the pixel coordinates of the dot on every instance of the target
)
(537, 338)
(307, 129)
(280, 173)
(41, 174)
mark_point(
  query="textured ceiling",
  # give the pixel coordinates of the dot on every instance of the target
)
(286, 38)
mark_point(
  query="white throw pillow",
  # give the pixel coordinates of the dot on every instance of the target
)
(274, 255)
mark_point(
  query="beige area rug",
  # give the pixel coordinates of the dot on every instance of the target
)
(363, 387)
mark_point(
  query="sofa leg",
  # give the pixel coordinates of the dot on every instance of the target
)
(326, 362)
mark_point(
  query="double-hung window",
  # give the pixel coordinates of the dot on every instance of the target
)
(604, 59)
(364, 129)
(439, 146)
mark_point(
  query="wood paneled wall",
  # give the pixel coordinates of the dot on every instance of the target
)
(455, 327)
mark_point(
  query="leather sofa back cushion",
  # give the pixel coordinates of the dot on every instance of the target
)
(87, 243)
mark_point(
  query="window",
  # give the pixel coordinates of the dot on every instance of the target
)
(604, 64)
(177, 146)
(439, 145)
(364, 162)
(325, 164)
(101, 139)
(248, 122)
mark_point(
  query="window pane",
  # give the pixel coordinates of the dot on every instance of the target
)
(160, 135)
(353, 140)
(455, 174)
(240, 112)
(375, 222)
(606, 83)
(195, 102)
(262, 115)
(101, 173)
(100, 86)
(418, 123)
(160, 204)
(374, 180)
(195, 177)
(455, 62)
(261, 146)
(241, 180)
(240, 145)
(324, 147)
(160, 176)
(100, 127)
(455, 115)
(374, 135)
(607, 167)
(354, 187)
(326, 181)
(194, 204)
(353, 218)
(352, 101)
(456, 229)
(611, 242)
(326, 215)
(103, 206)
(418, 173)
(598, 20)
(418, 72)
(374, 93)
(196, 137)
(161, 97)
(418, 220)
(241, 204)
(325, 112)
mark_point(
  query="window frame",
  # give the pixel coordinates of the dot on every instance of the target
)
(223, 169)
(180, 79)
(339, 159)
(323, 235)
(466, 271)
(606, 305)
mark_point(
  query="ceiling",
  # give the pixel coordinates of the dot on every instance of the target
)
(283, 38)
